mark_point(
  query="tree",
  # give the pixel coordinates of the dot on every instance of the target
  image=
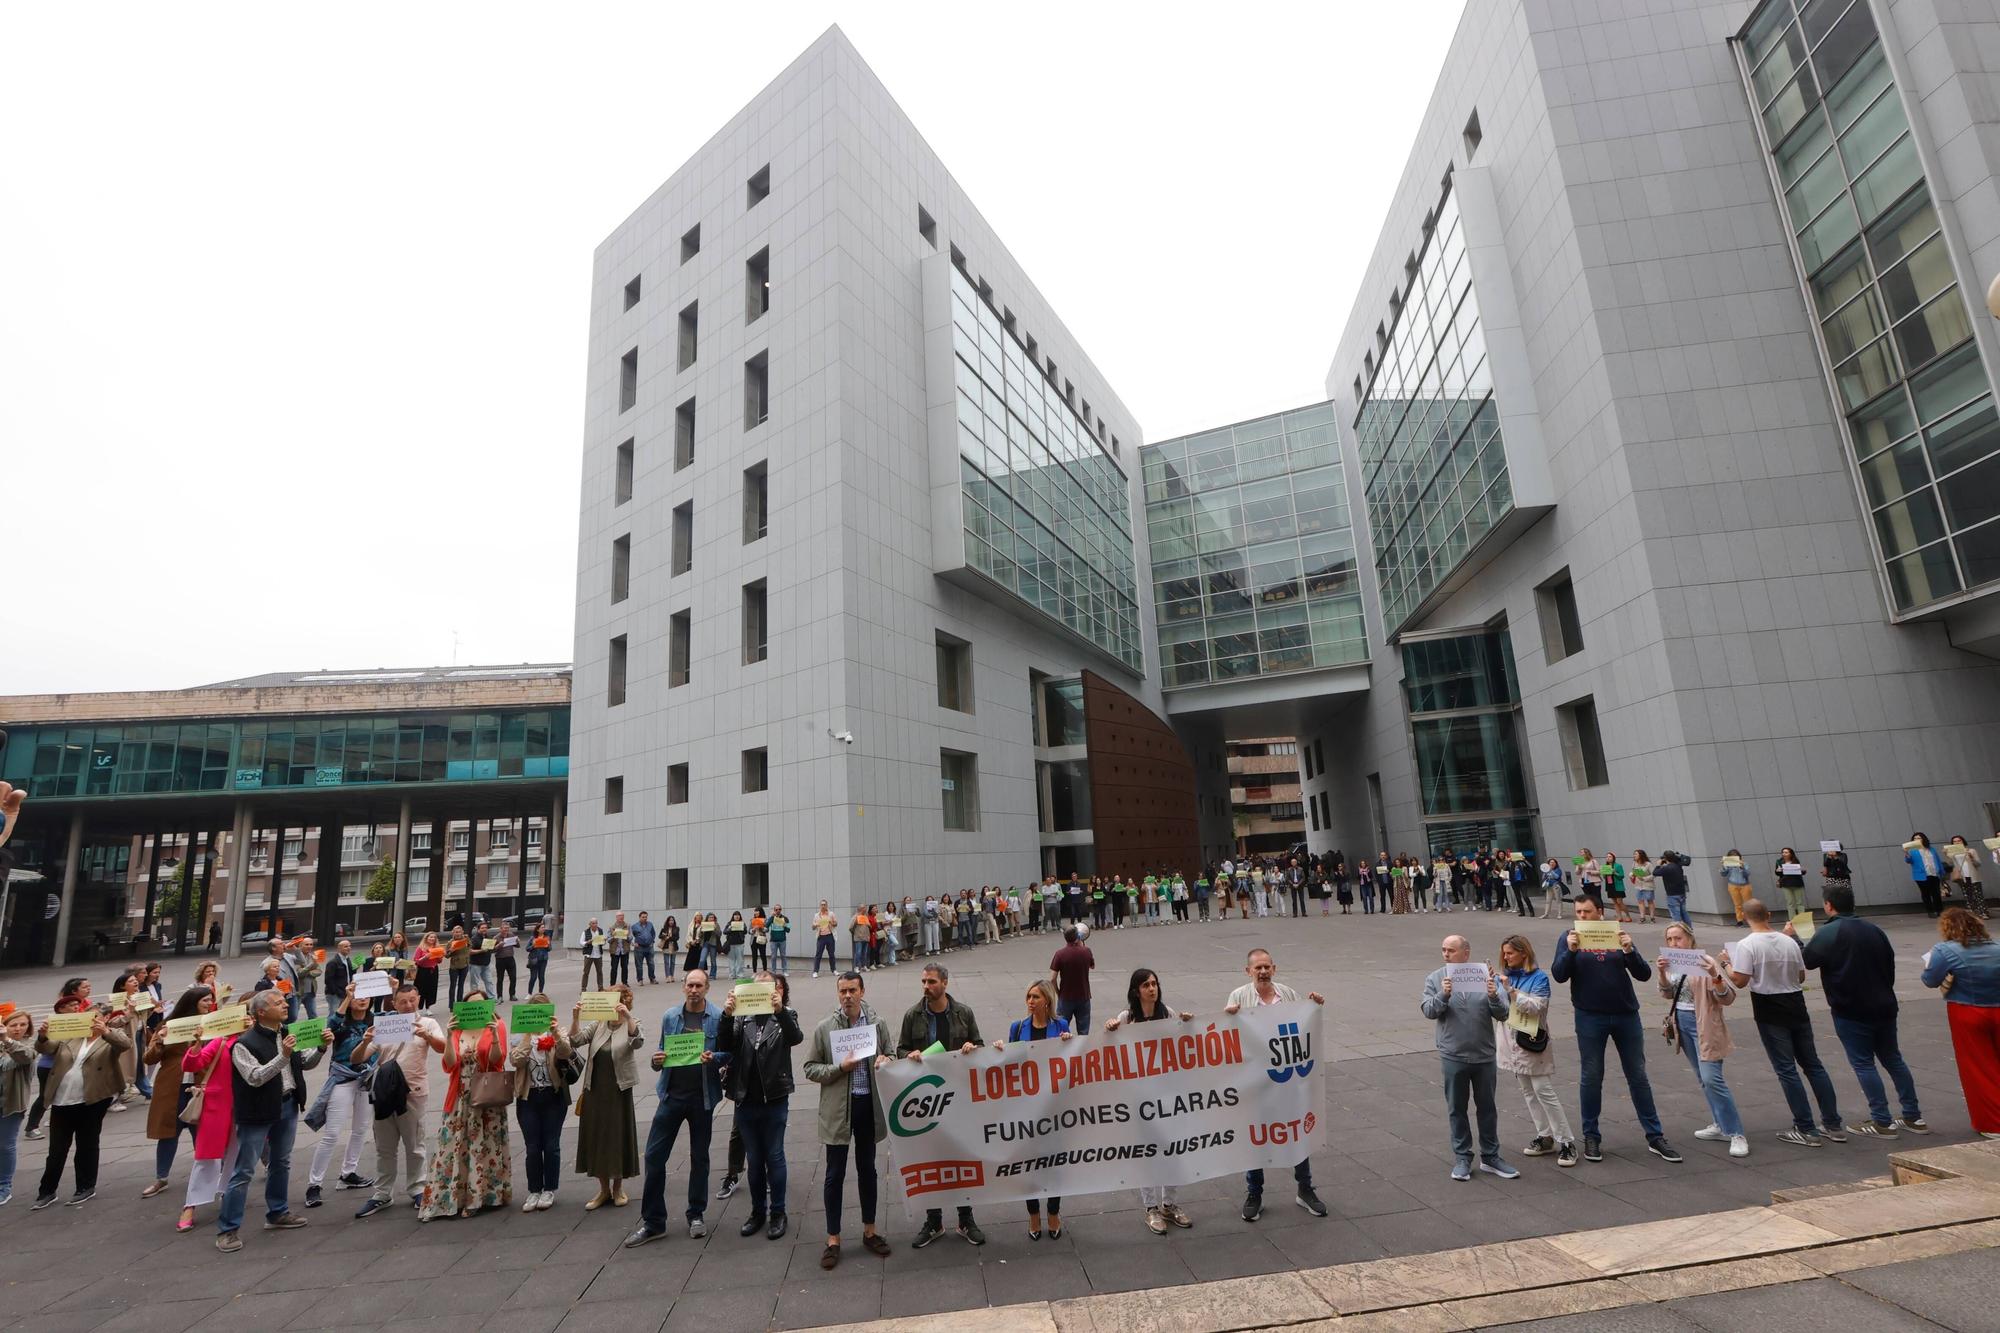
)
(168, 901)
(382, 888)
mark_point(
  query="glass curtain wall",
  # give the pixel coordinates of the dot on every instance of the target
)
(1895, 327)
(1465, 711)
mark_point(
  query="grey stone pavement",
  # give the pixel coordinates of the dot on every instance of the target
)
(1384, 1175)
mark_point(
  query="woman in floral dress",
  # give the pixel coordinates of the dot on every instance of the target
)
(471, 1167)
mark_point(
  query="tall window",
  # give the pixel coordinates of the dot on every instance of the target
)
(756, 502)
(958, 776)
(680, 632)
(628, 380)
(759, 187)
(614, 796)
(614, 674)
(1562, 629)
(677, 784)
(684, 435)
(632, 293)
(690, 326)
(757, 285)
(681, 556)
(621, 568)
(757, 769)
(690, 242)
(756, 390)
(954, 673)
(756, 884)
(1582, 744)
(614, 890)
(677, 888)
(755, 646)
(621, 482)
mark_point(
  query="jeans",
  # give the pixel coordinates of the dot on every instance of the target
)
(457, 984)
(862, 957)
(347, 1116)
(763, 1126)
(642, 965)
(10, 1145)
(930, 936)
(1592, 1029)
(861, 1115)
(621, 968)
(1524, 905)
(889, 948)
(538, 973)
(760, 957)
(1677, 908)
(504, 979)
(541, 1114)
(734, 953)
(251, 1142)
(1253, 1181)
(1867, 1041)
(778, 956)
(1077, 1014)
(164, 1150)
(823, 945)
(80, 1125)
(310, 1001)
(1367, 897)
(672, 1114)
(1476, 1081)
(1790, 1047)
(1721, 1102)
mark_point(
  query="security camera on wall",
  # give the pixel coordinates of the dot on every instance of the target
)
(844, 737)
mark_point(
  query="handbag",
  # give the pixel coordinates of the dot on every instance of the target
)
(1670, 1028)
(492, 1087)
(191, 1113)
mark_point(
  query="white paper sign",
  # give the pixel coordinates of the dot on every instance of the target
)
(369, 985)
(858, 1042)
(1464, 975)
(1685, 960)
(1791, 868)
(394, 1029)
(1829, 844)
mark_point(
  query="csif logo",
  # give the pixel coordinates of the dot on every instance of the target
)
(1291, 1053)
(917, 1107)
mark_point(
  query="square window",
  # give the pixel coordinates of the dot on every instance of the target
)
(756, 884)
(614, 676)
(621, 568)
(677, 784)
(681, 557)
(927, 226)
(958, 776)
(756, 502)
(756, 769)
(614, 890)
(680, 633)
(628, 380)
(1582, 744)
(755, 642)
(756, 390)
(954, 673)
(757, 285)
(758, 188)
(632, 293)
(690, 326)
(614, 796)
(1562, 629)
(677, 888)
(684, 436)
(621, 484)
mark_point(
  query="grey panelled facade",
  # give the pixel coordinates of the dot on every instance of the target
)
(1712, 641)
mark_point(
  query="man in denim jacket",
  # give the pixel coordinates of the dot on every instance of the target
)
(688, 1095)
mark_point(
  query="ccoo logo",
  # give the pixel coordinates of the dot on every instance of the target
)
(917, 1107)
(1291, 1053)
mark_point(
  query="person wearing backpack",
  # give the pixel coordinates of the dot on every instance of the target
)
(1532, 1059)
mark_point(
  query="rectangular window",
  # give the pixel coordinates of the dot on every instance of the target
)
(454, 883)
(621, 568)
(614, 796)
(756, 884)
(1562, 630)
(1319, 756)
(1582, 744)
(756, 502)
(621, 484)
(926, 226)
(756, 390)
(461, 840)
(758, 188)
(632, 293)
(691, 242)
(420, 844)
(614, 890)
(954, 673)
(628, 380)
(680, 634)
(757, 769)
(532, 880)
(958, 775)
(690, 327)
(677, 888)
(684, 435)
(677, 784)
(614, 674)
(755, 644)
(534, 835)
(681, 556)
(496, 875)
(499, 839)
(757, 285)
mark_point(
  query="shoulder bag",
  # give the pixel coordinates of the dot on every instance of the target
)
(1671, 1027)
(191, 1113)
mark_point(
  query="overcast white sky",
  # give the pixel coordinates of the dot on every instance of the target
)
(293, 298)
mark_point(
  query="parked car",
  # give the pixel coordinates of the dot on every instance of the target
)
(417, 923)
(257, 937)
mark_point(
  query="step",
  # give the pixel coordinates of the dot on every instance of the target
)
(1800, 1193)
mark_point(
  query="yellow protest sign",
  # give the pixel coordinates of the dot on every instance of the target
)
(226, 1021)
(600, 1006)
(68, 1027)
(1596, 935)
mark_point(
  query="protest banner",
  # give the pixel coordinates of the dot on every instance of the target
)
(754, 998)
(1467, 975)
(1522, 1022)
(226, 1021)
(68, 1027)
(600, 1006)
(683, 1048)
(181, 1029)
(1684, 960)
(394, 1029)
(471, 1015)
(1152, 1104)
(373, 985)
(858, 1042)
(1804, 927)
(1829, 844)
(1597, 935)
(533, 1017)
(308, 1034)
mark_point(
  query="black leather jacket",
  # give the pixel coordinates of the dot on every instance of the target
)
(767, 1040)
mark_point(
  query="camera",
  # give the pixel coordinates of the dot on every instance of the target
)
(844, 737)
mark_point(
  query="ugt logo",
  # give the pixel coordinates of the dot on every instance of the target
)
(1291, 1053)
(917, 1107)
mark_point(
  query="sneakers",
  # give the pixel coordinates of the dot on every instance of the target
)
(312, 1196)
(532, 1202)
(82, 1197)
(1253, 1207)
(36, 1134)
(927, 1233)
(1310, 1202)
(697, 1229)
(545, 1201)
(642, 1234)
(1659, 1147)
(1494, 1166)
(1461, 1169)
(45, 1201)
(1739, 1146)
(1171, 1211)
(1542, 1146)
(779, 1225)
(1710, 1133)
(751, 1225)
(6, 1197)
(1799, 1140)
(229, 1242)
(1869, 1129)
(284, 1222)
(1566, 1155)
(351, 1180)
(1835, 1133)
(1914, 1125)
(970, 1233)
(728, 1187)
(1593, 1148)
(1156, 1222)
(372, 1207)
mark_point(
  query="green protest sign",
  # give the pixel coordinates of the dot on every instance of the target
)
(533, 1017)
(935, 1048)
(308, 1034)
(684, 1049)
(471, 1015)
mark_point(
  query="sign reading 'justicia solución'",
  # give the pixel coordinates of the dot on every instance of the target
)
(1162, 1103)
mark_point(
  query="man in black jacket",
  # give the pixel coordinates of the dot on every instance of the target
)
(339, 971)
(758, 1078)
(270, 1091)
(935, 1020)
(1858, 965)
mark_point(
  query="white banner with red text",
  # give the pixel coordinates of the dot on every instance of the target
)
(1163, 1103)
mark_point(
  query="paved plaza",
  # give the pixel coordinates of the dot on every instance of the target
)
(1383, 1174)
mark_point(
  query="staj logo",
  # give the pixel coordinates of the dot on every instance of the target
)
(917, 1107)
(1291, 1053)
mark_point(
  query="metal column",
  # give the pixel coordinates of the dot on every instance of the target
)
(401, 899)
(72, 868)
(241, 831)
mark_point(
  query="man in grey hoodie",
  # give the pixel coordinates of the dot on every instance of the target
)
(1464, 1016)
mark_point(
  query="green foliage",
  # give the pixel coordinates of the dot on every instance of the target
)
(382, 888)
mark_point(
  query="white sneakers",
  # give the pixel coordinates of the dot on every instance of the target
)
(1711, 1133)
(1739, 1146)
(538, 1203)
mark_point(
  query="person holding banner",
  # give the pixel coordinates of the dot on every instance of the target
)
(17, 1087)
(85, 1075)
(1791, 881)
(401, 1124)
(591, 942)
(845, 1046)
(621, 950)
(823, 924)
(429, 954)
(689, 1087)
(471, 1167)
(1857, 965)
(1144, 1003)
(215, 1119)
(171, 1088)
(1463, 1002)
(607, 1136)
(758, 1078)
(1522, 1048)
(939, 1020)
(541, 1063)
(670, 943)
(1698, 990)
(342, 1105)
(1926, 870)
(1265, 988)
(1041, 1024)
(268, 1091)
(1774, 969)
(1598, 962)
(1964, 862)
